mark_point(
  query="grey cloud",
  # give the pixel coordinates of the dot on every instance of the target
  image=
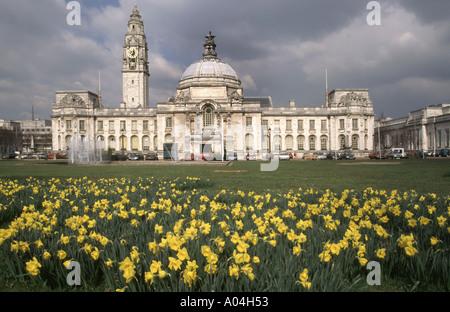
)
(281, 46)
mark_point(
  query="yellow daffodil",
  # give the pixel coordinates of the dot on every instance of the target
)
(61, 254)
(33, 266)
(304, 275)
(47, 255)
(381, 253)
(434, 240)
(128, 268)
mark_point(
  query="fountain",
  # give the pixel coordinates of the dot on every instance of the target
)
(83, 151)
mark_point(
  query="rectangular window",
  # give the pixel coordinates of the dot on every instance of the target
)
(277, 125)
(288, 124)
(439, 139)
(68, 124)
(145, 125)
(248, 121)
(341, 124)
(300, 124)
(168, 122)
(123, 125)
(355, 124)
(111, 125)
(312, 125)
(265, 125)
(82, 125)
(100, 125)
(323, 125)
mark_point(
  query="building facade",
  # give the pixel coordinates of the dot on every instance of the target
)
(426, 129)
(207, 113)
(36, 135)
(10, 137)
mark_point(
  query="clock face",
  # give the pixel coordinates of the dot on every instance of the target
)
(132, 52)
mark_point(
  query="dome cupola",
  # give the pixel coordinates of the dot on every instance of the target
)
(209, 70)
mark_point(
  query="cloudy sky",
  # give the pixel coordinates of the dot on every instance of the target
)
(279, 48)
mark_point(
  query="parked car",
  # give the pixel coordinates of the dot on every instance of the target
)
(204, 156)
(135, 156)
(251, 156)
(284, 156)
(151, 156)
(348, 155)
(118, 156)
(321, 156)
(333, 155)
(445, 152)
(27, 155)
(310, 156)
(232, 156)
(377, 155)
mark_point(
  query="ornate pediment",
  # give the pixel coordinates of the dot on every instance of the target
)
(72, 100)
(182, 97)
(236, 98)
(352, 99)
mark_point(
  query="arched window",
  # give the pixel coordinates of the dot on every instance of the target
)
(355, 139)
(134, 143)
(276, 143)
(112, 143)
(249, 142)
(289, 142)
(208, 116)
(312, 143)
(342, 142)
(123, 142)
(68, 140)
(323, 142)
(100, 142)
(300, 142)
(145, 143)
(155, 142)
(168, 138)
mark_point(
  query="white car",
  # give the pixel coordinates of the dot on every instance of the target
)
(321, 156)
(284, 156)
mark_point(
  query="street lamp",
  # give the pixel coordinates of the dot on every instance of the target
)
(122, 142)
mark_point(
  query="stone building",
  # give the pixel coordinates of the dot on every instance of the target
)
(208, 112)
(426, 129)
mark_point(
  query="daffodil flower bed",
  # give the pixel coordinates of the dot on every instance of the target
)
(178, 235)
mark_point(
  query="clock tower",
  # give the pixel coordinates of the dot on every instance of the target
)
(135, 71)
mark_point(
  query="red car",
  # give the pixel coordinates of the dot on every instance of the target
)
(376, 155)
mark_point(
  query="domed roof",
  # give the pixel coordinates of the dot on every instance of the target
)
(210, 69)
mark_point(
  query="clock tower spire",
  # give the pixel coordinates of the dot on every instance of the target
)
(135, 71)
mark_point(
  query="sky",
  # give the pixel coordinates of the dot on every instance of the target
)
(279, 48)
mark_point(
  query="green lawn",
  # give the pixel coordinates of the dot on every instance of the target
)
(421, 175)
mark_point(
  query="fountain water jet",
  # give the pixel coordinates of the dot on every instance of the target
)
(83, 151)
